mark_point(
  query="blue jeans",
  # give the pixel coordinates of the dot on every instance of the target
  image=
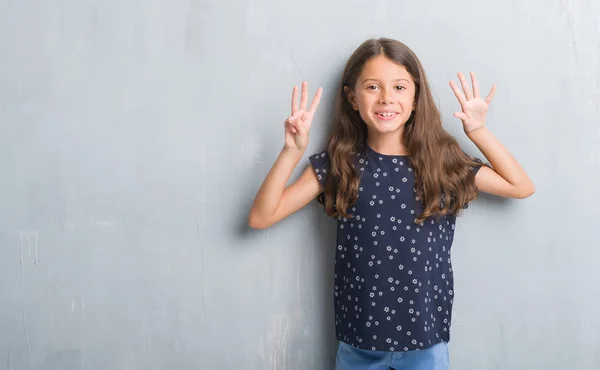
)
(352, 358)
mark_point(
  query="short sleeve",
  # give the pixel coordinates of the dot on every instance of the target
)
(477, 167)
(320, 164)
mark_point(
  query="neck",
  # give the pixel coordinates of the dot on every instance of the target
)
(387, 143)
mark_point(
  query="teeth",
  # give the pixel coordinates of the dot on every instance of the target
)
(387, 114)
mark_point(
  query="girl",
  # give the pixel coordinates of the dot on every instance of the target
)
(395, 180)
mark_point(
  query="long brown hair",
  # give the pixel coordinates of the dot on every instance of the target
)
(444, 179)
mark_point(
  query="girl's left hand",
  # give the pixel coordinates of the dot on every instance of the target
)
(473, 107)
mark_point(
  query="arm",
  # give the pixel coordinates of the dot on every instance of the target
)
(274, 201)
(507, 178)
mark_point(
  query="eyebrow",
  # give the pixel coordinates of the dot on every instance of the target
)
(376, 80)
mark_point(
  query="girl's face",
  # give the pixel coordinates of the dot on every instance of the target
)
(384, 95)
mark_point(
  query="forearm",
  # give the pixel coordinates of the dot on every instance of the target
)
(272, 188)
(501, 160)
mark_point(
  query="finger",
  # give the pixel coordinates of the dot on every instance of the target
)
(316, 100)
(292, 120)
(461, 115)
(294, 117)
(290, 126)
(465, 86)
(293, 126)
(299, 128)
(490, 96)
(475, 85)
(298, 116)
(304, 97)
(294, 100)
(457, 93)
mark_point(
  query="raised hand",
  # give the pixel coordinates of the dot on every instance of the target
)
(474, 109)
(298, 124)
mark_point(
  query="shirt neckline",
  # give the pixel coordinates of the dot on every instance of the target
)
(391, 156)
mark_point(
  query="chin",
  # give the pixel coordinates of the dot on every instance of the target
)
(386, 127)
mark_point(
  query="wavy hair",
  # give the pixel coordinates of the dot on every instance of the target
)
(444, 179)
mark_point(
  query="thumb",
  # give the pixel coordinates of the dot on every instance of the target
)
(302, 129)
(461, 115)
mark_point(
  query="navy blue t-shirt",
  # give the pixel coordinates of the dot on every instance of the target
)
(393, 282)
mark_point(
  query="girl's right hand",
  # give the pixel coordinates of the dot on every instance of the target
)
(298, 124)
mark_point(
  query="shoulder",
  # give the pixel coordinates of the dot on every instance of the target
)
(319, 156)
(320, 164)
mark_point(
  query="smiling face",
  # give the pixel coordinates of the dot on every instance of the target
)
(384, 95)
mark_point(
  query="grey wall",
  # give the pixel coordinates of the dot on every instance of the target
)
(134, 135)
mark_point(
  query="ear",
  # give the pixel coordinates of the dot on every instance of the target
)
(414, 105)
(351, 96)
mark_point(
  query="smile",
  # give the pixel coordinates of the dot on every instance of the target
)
(386, 116)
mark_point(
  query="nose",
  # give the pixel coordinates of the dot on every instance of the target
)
(385, 97)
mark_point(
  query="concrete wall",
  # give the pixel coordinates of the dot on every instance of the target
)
(134, 136)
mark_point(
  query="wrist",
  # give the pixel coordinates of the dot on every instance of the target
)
(292, 153)
(477, 132)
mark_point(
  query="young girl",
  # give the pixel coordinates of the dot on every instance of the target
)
(395, 180)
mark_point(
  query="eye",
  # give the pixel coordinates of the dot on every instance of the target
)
(372, 87)
(400, 87)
